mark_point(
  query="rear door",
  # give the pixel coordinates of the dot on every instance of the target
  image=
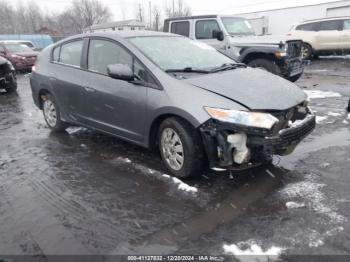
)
(115, 106)
(345, 44)
(67, 78)
(329, 34)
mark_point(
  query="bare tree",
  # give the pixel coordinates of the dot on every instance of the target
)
(156, 18)
(84, 13)
(178, 9)
(6, 18)
(140, 12)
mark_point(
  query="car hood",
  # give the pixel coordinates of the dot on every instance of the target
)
(262, 40)
(253, 88)
(27, 54)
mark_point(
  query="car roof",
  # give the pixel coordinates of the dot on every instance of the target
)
(200, 17)
(128, 33)
(119, 34)
(324, 19)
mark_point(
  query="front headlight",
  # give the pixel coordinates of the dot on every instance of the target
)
(253, 119)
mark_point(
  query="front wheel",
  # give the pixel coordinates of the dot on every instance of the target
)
(294, 78)
(52, 114)
(265, 64)
(181, 148)
(11, 86)
(306, 51)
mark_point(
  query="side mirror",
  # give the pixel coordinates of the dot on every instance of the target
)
(219, 35)
(121, 72)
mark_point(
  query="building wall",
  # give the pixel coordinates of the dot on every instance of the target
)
(281, 20)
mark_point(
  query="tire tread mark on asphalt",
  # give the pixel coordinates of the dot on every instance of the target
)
(206, 222)
(78, 213)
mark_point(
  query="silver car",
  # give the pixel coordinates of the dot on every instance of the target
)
(200, 107)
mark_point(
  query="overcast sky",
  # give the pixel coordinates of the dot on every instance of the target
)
(125, 9)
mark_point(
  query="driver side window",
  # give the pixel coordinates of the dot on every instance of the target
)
(103, 53)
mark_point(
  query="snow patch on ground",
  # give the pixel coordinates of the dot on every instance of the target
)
(348, 116)
(168, 179)
(313, 94)
(346, 122)
(334, 114)
(320, 119)
(292, 204)
(311, 192)
(181, 185)
(252, 251)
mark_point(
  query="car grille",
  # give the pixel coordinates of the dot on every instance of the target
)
(294, 48)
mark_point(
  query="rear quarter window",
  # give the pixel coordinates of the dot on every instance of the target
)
(307, 27)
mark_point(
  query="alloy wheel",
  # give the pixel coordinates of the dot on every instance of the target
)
(172, 148)
(50, 113)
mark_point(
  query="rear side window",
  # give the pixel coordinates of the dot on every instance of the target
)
(330, 25)
(181, 28)
(307, 27)
(71, 53)
(56, 54)
(103, 53)
(346, 25)
(205, 28)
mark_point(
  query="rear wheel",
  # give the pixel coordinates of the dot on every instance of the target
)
(52, 114)
(181, 148)
(306, 51)
(265, 64)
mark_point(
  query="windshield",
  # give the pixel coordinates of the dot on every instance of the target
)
(18, 48)
(237, 26)
(170, 53)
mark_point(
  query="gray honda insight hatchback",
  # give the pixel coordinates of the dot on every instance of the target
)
(200, 107)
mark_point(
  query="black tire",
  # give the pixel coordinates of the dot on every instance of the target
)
(307, 51)
(59, 125)
(266, 64)
(11, 86)
(193, 153)
(294, 78)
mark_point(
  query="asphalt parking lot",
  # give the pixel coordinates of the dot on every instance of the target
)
(86, 193)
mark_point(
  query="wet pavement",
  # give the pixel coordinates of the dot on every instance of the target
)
(86, 193)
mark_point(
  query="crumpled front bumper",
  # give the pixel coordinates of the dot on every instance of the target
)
(260, 143)
(287, 139)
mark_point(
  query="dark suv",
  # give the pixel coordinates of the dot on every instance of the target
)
(8, 80)
(20, 55)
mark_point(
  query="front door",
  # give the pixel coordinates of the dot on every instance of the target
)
(204, 32)
(114, 106)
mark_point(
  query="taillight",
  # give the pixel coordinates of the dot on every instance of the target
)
(33, 68)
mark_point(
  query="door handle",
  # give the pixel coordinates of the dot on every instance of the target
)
(89, 89)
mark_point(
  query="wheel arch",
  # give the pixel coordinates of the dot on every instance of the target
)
(156, 122)
(258, 55)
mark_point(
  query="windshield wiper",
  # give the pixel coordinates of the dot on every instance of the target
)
(225, 67)
(188, 70)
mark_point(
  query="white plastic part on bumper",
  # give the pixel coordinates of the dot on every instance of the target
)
(241, 153)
